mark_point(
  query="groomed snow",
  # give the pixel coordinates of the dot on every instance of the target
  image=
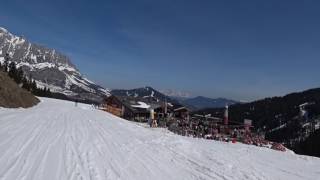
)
(56, 140)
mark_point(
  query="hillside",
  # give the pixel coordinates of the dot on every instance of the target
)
(278, 117)
(12, 96)
(270, 111)
(56, 140)
(48, 67)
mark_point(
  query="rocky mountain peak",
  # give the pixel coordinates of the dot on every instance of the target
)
(48, 67)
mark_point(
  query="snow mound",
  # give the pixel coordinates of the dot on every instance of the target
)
(57, 140)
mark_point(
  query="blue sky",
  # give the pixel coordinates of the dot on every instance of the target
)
(243, 50)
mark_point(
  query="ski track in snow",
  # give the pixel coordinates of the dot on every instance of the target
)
(56, 140)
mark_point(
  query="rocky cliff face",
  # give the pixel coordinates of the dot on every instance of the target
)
(48, 67)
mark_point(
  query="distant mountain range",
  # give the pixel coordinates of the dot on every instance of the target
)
(175, 93)
(48, 68)
(54, 70)
(201, 102)
(192, 103)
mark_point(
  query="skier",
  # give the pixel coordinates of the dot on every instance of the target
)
(150, 122)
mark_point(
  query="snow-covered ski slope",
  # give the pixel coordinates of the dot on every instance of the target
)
(56, 140)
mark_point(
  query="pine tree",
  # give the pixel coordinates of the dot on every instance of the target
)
(12, 71)
(25, 84)
(19, 76)
(33, 87)
(6, 62)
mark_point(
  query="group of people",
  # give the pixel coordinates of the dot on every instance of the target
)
(200, 129)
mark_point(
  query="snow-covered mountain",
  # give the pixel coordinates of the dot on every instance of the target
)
(145, 92)
(48, 67)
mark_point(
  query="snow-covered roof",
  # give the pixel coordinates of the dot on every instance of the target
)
(142, 105)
